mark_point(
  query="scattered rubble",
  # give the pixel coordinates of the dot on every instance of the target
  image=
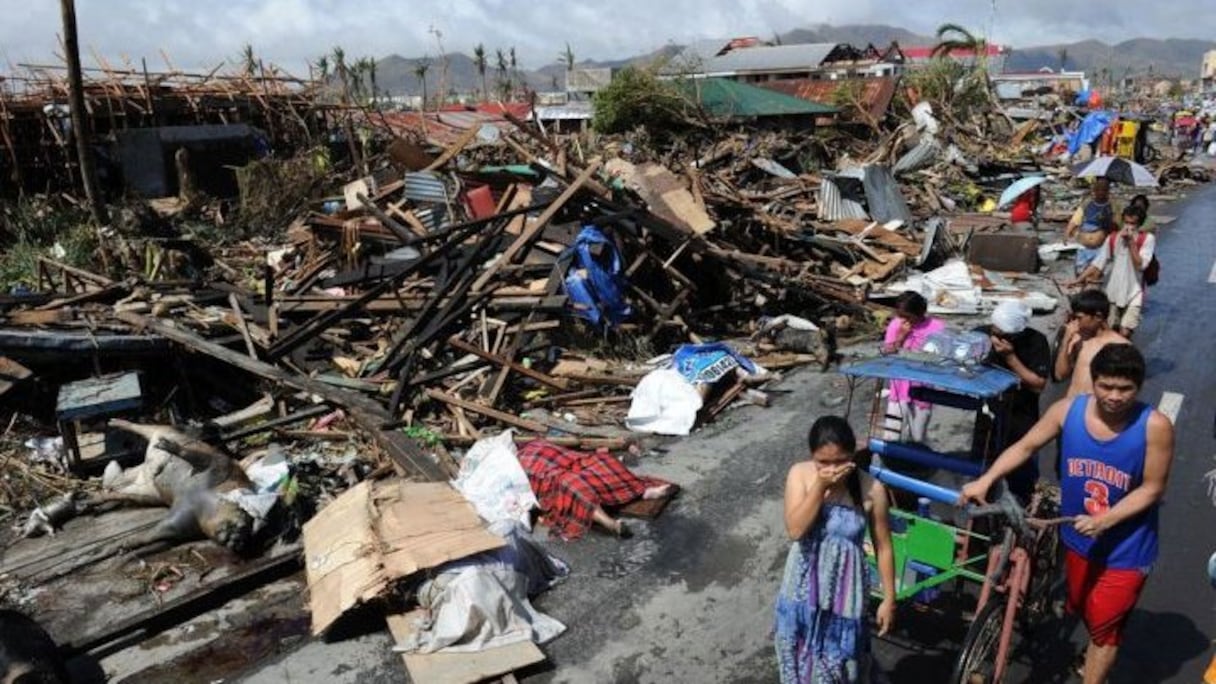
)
(456, 275)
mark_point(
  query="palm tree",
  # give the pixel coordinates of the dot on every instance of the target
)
(566, 57)
(504, 80)
(371, 75)
(323, 67)
(1062, 53)
(250, 60)
(420, 69)
(479, 61)
(341, 70)
(952, 37)
(516, 79)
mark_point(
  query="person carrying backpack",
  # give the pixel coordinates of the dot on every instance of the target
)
(1131, 254)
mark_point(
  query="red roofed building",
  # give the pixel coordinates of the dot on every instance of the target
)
(995, 55)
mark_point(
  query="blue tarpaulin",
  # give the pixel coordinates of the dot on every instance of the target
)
(708, 363)
(980, 382)
(1091, 128)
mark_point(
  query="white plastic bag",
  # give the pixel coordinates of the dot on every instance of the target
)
(492, 479)
(664, 403)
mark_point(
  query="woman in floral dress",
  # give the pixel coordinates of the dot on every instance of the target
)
(822, 631)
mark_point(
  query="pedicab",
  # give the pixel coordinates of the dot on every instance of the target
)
(1012, 560)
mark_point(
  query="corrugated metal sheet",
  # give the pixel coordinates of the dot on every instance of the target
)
(876, 93)
(918, 157)
(426, 187)
(571, 111)
(770, 58)
(693, 58)
(432, 216)
(832, 204)
(883, 197)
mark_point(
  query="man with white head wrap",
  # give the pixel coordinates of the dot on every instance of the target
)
(1025, 352)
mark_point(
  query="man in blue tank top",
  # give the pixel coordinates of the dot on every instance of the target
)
(1117, 453)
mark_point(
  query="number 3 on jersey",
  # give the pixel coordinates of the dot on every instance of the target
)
(1097, 497)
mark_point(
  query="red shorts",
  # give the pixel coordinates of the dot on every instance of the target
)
(1102, 596)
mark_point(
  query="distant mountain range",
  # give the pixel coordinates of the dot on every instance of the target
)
(1138, 57)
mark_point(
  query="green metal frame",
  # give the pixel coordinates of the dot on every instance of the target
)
(937, 545)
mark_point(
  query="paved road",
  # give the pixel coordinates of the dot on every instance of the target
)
(1169, 636)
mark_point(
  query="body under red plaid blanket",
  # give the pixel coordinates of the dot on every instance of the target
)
(574, 487)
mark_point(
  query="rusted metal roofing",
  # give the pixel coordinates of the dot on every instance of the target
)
(876, 94)
(441, 128)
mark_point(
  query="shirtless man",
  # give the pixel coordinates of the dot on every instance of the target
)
(1084, 335)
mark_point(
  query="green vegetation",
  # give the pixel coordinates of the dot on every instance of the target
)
(32, 227)
(637, 98)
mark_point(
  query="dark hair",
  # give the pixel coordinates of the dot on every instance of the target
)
(1134, 211)
(834, 430)
(1118, 361)
(1093, 302)
(912, 303)
(1101, 181)
(1140, 201)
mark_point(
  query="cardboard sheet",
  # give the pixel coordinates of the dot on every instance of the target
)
(375, 534)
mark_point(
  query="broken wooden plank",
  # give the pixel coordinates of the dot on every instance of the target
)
(533, 231)
(556, 383)
(241, 325)
(455, 148)
(11, 373)
(501, 416)
(365, 412)
(664, 195)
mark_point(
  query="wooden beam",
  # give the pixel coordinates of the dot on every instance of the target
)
(241, 325)
(500, 416)
(556, 383)
(365, 412)
(532, 232)
(455, 148)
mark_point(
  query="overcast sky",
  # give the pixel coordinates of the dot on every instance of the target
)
(199, 34)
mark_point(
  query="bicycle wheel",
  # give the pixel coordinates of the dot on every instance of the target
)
(977, 661)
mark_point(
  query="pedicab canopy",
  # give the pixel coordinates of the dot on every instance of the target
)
(977, 381)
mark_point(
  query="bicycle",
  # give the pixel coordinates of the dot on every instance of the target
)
(1019, 586)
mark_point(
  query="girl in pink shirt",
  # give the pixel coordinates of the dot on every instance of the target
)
(910, 329)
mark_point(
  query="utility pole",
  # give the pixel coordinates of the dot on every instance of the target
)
(443, 67)
(76, 102)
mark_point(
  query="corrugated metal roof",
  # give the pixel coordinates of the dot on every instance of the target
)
(876, 93)
(442, 128)
(769, 58)
(725, 98)
(693, 58)
(569, 111)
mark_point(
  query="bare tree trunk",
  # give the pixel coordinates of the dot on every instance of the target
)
(76, 101)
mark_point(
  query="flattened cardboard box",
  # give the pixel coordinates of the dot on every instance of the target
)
(375, 534)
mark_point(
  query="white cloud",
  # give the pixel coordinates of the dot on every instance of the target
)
(291, 32)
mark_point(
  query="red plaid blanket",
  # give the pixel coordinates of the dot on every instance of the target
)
(570, 484)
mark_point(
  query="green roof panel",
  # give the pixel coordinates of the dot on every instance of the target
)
(725, 98)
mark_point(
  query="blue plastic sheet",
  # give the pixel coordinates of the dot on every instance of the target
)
(707, 363)
(1091, 128)
(596, 286)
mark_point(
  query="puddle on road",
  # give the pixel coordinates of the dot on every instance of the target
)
(233, 651)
